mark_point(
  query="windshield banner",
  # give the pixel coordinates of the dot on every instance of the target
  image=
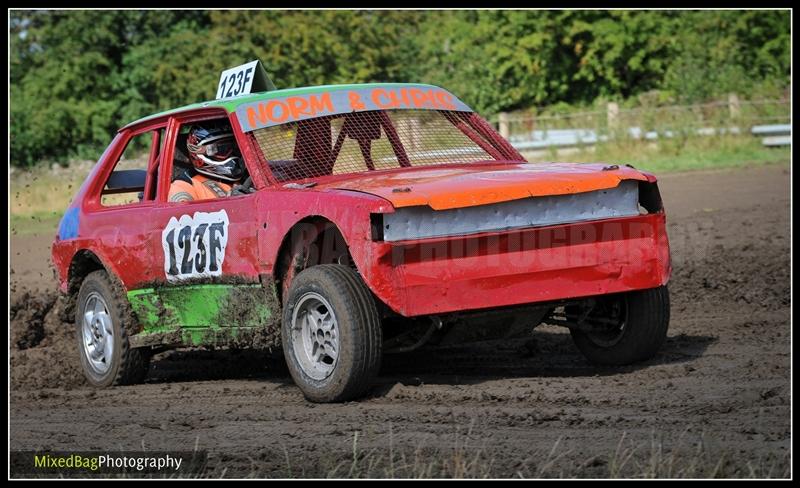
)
(283, 110)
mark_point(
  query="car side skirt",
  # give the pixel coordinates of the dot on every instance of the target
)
(246, 315)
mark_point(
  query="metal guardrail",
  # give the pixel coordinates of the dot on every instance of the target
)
(760, 118)
(772, 130)
(774, 135)
(774, 141)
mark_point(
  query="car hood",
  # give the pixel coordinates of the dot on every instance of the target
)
(461, 186)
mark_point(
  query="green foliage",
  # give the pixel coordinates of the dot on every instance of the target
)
(77, 76)
(754, 49)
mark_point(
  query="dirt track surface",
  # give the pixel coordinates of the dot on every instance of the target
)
(714, 401)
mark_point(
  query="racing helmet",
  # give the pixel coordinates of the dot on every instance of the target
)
(213, 151)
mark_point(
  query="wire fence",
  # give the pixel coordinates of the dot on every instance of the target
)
(770, 119)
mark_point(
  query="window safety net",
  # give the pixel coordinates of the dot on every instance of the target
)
(372, 140)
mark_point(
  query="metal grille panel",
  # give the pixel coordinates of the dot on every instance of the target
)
(424, 222)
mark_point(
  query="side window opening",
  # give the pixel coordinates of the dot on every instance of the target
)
(134, 177)
(202, 165)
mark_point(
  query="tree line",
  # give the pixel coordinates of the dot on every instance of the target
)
(77, 76)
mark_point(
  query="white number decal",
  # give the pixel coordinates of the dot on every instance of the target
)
(194, 247)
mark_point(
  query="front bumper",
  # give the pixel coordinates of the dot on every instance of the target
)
(490, 270)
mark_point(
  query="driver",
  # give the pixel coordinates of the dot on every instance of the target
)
(216, 164)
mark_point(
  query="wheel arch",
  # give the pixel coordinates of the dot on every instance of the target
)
(311, 241)
(83, 262)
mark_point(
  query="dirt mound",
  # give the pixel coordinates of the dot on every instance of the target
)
(29, 312)
(43, 353)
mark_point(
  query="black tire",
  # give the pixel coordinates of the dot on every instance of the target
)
(126, 365)
(359, 333)
(644, 331)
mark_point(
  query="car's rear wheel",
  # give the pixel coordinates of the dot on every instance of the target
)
(331, 333)
(625, 328)
(102, 317)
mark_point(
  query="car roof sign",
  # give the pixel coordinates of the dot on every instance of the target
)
(243, 80)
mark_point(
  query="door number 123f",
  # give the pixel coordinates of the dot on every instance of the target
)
(194, 247)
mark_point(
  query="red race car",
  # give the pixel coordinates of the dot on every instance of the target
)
(346, 221)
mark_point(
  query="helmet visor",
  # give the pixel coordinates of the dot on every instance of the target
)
(220, 147)
(230, 169)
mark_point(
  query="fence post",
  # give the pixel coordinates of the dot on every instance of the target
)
(409, 131)
(612, 114)
(503, 124)
(734, 108)
(415, 132)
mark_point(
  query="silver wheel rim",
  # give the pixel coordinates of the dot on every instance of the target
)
(98, 334)
(315, 336)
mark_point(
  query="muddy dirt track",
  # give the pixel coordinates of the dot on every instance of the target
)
(714, 401)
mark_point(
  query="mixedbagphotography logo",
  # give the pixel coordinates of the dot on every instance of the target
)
(60, 464)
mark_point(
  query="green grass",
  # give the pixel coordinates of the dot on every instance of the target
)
(36, 223)
(45, 191)
(699, 154)
(673, 156)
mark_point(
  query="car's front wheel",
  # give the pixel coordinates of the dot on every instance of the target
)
(331, 333)
(105, 354)
(627, 328)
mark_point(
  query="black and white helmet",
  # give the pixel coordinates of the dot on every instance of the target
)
(213, 151)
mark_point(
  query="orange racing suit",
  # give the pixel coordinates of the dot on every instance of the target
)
(200, 188)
